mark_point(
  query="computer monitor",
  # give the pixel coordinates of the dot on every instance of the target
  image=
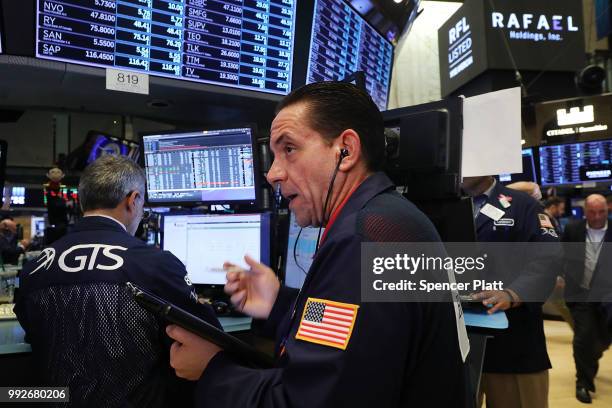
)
(575, 163)
(203, 166)
(578, 212)
(343, 42)
(37, 227)
(423, 144)
(299, 257)
(203, 242)
(529, 170)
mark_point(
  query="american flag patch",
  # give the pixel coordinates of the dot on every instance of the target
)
(328, 323)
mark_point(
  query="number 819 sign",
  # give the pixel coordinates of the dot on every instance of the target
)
(127, 81)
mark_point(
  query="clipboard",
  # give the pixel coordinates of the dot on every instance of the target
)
(239, 350)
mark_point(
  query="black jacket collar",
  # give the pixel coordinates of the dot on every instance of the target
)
(97, 223)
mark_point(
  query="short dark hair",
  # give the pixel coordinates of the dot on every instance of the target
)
(553, 200)
(334, 107)
(108, 180)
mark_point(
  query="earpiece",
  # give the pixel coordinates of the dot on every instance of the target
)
(343, 153)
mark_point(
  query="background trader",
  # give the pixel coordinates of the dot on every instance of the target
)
(585, 271)
(515, 372)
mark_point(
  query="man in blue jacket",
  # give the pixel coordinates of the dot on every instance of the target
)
(333, 349)
(86, 331)
(516, 364)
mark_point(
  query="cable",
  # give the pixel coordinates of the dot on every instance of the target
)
(517, 73)
(295, 251)
(343, 154)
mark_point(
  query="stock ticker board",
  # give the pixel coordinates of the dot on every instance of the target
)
(342, 42)
(246, 44)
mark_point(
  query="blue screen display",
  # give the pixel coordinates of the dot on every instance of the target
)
(300, 252)
(245, 44)
(342, 43)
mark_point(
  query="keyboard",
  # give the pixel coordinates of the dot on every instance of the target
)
(6, 311)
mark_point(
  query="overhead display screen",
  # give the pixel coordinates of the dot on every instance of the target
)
(575, 163)
(245, 44)
(342, 43)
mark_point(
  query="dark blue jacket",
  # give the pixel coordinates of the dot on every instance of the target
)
(601, 283)
(398, 355)
(86, 330)
(9, 248)
(522, 347)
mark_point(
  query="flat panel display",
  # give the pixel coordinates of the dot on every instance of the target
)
(245, 44)
(574, 163)
(342, 43)
(204, 242)
(300, 253)
(200, 166)
(37, 227)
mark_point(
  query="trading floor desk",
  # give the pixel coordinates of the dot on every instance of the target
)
(15, 354)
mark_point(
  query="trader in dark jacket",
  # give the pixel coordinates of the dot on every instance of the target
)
(515, 372)
(10, 246)
(333, 349)
(86, 331)
(587, 269)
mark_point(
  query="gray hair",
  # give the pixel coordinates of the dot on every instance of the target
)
(108, 180)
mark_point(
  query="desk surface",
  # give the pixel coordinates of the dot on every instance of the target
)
(11, 333)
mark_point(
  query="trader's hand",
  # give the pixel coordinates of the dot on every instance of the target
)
(499, 299)
(189, 354)
(25, 243)
(254, 291)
